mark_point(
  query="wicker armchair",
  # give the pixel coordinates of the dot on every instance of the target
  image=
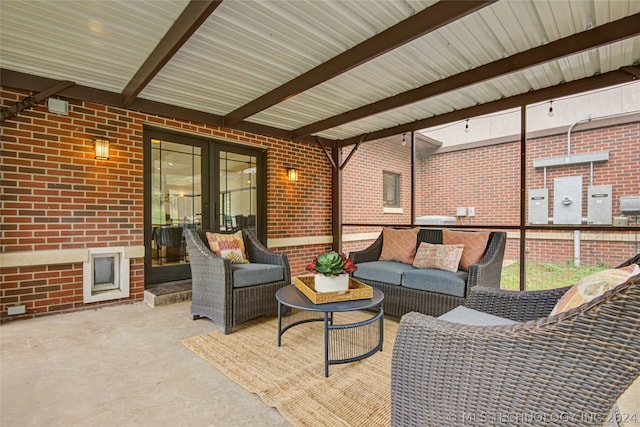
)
(567, 370)
(213, 292)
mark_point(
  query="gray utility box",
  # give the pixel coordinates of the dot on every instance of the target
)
(599, 204)
(538, 206)
(567, 200)
(630, 205)
(436, 220)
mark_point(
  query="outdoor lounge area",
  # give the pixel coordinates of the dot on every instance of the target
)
(177, 179)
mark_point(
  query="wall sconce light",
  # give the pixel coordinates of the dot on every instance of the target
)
(101, 148)
(292, 174)
(550, 113)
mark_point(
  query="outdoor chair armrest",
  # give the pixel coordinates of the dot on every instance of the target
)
(633, 260)
(488, 270)
(258, 253)
(369, 254)
(520, 306)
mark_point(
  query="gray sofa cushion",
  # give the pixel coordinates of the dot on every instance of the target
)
(469, 316)
(440, 281)
(255, 273)
(382, 271)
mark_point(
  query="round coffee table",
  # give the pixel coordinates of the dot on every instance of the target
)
(357, 340)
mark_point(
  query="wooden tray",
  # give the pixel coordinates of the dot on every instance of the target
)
(357, 290)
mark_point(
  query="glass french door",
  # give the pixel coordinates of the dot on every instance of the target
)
(176, 196)
(196, 183)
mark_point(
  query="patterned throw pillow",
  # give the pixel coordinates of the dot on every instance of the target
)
(593, 286)
(399, 245)
(475, 243)
(441, 257)
(229, 246)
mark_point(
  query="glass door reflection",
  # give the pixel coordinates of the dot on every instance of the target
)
(238, 194)
(176, 199)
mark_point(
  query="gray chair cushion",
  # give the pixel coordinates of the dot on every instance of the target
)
(469, 316)
(255, 273)
(440, 281)
(382, 271)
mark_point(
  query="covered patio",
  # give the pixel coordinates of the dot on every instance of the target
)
(315, 124)
(271, 79)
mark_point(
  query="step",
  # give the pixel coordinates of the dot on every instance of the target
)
(167, 293)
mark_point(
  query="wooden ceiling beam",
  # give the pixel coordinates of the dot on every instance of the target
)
(191, 18)
(609, 33)
(423, 22)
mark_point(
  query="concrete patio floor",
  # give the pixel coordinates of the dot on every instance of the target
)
(125, 365)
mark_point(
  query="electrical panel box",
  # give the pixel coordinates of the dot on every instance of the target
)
(461, 211)
(567, 200)
(599, 204)
(630, 205)
(538, 206)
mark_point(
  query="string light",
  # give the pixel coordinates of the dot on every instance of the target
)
(535, 105)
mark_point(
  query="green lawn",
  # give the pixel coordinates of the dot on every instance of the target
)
(545, 276)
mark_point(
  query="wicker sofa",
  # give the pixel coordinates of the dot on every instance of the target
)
(228, 293)
(432, 292)
(567, 369)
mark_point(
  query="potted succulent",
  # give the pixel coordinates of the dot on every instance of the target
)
(332, 271)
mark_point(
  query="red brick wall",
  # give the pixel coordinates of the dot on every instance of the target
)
(622, 170)
(55, 195)
(362, 188)
(301, 208)
(362, 183)
(488, 178)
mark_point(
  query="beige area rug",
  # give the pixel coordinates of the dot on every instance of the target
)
(291, 378)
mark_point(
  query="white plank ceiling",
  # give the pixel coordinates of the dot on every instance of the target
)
(245, 49)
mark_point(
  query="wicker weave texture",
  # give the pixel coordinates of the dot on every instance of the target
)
(399, 300)
(212, 292)
(564, 370)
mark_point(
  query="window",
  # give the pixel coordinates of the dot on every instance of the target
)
(390, 189)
